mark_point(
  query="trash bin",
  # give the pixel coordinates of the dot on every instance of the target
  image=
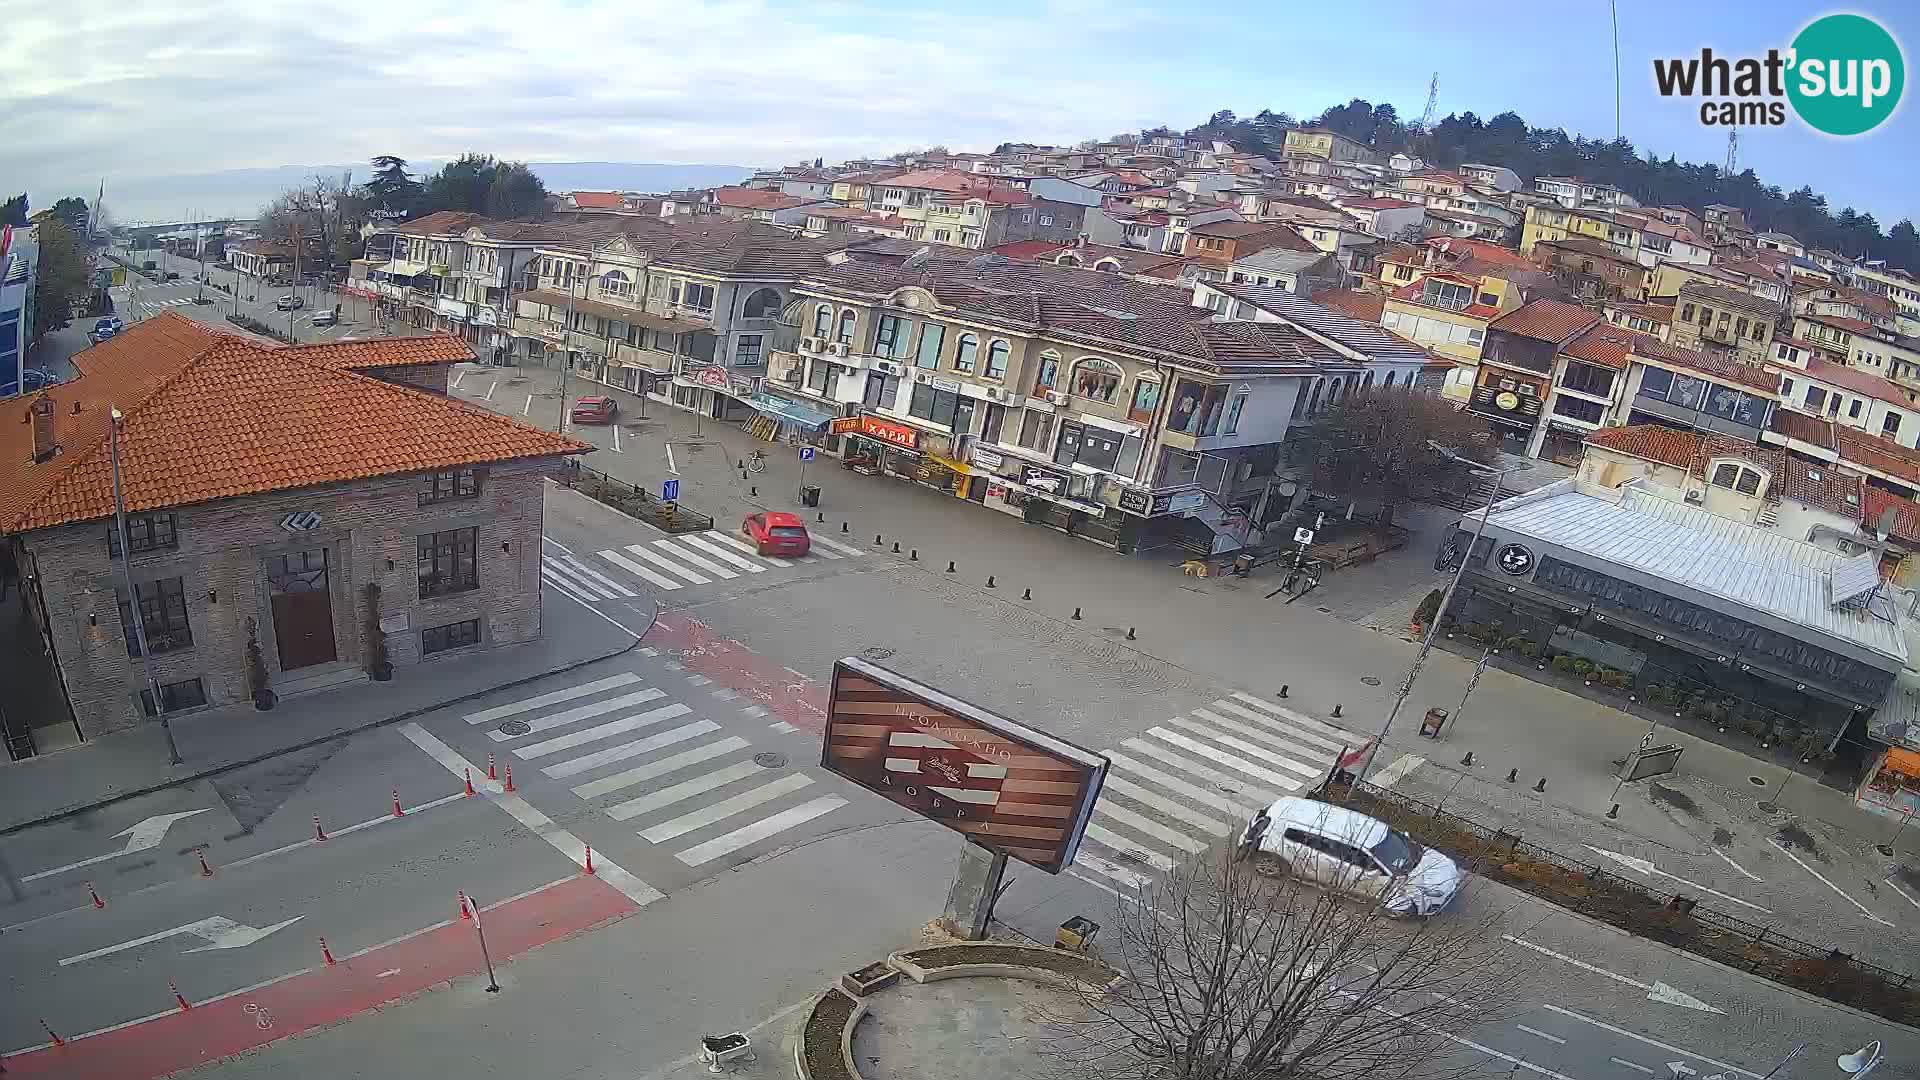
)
(810, 495)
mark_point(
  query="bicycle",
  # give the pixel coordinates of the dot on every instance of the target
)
(757, 461)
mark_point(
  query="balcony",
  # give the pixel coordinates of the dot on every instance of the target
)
(632, 356)
(550, 332)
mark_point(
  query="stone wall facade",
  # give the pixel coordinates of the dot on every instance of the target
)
(369, 531)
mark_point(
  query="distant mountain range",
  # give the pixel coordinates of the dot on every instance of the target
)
(242, 192)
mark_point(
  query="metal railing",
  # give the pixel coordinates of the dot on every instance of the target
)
(1673, 919)
(672, 517)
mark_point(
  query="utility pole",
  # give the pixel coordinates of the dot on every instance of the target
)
(295, 227)
(118, 425)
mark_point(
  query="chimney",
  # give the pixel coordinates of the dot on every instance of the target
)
(40, 415)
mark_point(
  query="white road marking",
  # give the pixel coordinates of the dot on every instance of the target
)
(527, 409)
(686, 789)
(1115, 814)
(1108, 840)
(588, 762)
(695, 558)
(1903, 893)
(1113, 870)
(1304, 721)
(1213, 799)
(1541, 1034)
(1646, 867)
(386, 973)
(601, 731)
(720, 551)
(760, 830)
(1823, 880)
(1230, 784)
(501, 712)
(543, 826)
(1281, 760)
(146, 834)
(555, 570)
(795, 674)
(616, 439)
(1146, 796)
(563, 548)
(605, 582)
(782, 727)
(642, 773)
(1320, 758)
(671, 467)
(1330, 746)
(1656, 990)
(726, 808)
(1631, 1065)
(741, 545)
(642, 572)
(406, 812)
(490, 389)
(1657, 1044)
(844, 549)
(583, 712)
(1751, 876)
(1398, 770)
(661, 561)
(753, 710)
(649, 651)
(698, 680)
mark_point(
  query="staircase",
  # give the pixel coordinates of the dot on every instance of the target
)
(1769, 516)
(323, 677)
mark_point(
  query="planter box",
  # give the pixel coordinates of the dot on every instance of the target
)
(867, 980)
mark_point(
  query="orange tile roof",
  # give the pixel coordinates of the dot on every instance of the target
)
(1874, 452)
(1906, 513)
(598, 200)
(1545, 320)
(1605, 344)
(211, 415)
(384, 352)
(1650, 441)
(1858, 380)
(1366, 306)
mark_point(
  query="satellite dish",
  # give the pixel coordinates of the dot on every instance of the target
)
(918, 258)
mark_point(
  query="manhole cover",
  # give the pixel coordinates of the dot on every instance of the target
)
(1370, 680)
(876, 653)
(770, 760)
(1757, 781)
(515, 727)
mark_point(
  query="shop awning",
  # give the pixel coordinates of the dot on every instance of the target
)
(802, 416)
(401, 268)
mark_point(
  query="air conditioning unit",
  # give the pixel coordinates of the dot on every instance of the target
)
(994, 393)
(1693, 496)
(1056, 397)
(888, 367)
(810, 344)
(839, 348)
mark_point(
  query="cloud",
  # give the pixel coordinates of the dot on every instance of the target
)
(165, 87)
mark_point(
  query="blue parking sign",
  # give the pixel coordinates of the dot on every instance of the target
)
(669, 490)
(806, 453)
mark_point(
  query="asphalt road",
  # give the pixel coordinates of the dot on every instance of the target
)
(143, 299)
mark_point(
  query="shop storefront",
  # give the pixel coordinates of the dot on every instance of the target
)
(1892, 786)
(715, 392)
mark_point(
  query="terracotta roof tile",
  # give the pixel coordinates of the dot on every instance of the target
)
(1545, 320)
(1800, 427)
(1906, 513)
(1881, 455)
(1855, 379)
(386, 352)
(598, 200)
(1650, 441)
(1823, 487)
(1733, 371)
(210, 415)
(1352, 302)
(756, 199)
(1605, 344)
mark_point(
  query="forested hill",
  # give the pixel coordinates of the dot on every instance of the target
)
(1508, 140)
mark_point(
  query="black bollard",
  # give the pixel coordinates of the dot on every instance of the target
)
(1283, 691)
(1130, 636)
(1336, 710)
(914, 555)
(820, 517)
(1614, 814)
(1542, 785)
(1076, 613)
(1468, 760)
(753, 492)
(877, 540)
(990, 583)
(1512, 775)
(896, 545)
(1027, 595)
(843, 526)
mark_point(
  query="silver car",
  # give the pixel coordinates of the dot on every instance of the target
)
(1345, 851)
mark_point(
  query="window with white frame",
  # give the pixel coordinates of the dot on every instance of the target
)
(964, 352)
(1096, 379)
(997, 360)
(823, 320)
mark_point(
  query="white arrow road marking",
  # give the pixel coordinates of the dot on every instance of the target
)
(142, 836)
(218, 931)
(1646, 868)
(1823, 880)
(1750, 875)
(1680, 1069)
(1903, 893)
(1636, 1067)
(1655, 1043)
(1656, 990)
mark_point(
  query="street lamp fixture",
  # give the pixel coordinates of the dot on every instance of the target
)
(1446, 598)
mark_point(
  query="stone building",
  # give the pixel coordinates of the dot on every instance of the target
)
(266, 490)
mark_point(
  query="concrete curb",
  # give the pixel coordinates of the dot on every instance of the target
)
(397, 718)
(1044, 976)
(800, 1044)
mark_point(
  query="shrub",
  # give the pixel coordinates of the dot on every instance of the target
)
(1582, 666)
(1563, 664)
(1428, 609)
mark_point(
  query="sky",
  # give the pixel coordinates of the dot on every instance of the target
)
(93, 89)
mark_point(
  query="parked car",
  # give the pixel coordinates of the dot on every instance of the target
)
(326, 316)
(289, 302)
(776, 532)
(173, 275)
(594, 410)
(105, 329)
(1347, 852)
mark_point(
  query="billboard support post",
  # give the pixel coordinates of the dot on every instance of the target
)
(976, 885)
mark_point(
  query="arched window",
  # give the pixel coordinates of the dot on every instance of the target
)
(997, 360)
(1096, 379)
(1047, 375)
(1068, 259)
(1739, 476)
(846, 327)
(616, 283)
(964, 351)
(823, 321)
(1111, 266)
(762, 304)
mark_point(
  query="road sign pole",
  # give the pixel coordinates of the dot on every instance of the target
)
(480, 931)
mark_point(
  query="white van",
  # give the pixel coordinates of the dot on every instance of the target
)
(1345, 851)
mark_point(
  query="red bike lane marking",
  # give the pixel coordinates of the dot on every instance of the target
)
(701, 649)
(327, 995)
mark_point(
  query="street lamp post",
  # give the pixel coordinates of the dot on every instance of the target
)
(1446, 600)
(126, 582)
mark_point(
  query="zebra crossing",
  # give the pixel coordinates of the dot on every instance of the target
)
(640, 758)
(1195, 779)
(673, 563)
(152, 306)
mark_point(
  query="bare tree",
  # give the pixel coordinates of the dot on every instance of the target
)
(1228, 971)
(1371, 445)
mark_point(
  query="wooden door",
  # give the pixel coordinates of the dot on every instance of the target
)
(302, 608)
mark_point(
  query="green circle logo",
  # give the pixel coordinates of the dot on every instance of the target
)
(1847, 74)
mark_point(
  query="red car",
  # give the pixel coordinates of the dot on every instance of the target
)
(594, 410)
(777, 533)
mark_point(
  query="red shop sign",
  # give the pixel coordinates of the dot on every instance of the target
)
(712, 376)
(887, 431)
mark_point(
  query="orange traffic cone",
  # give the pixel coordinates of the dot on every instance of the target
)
(465, 914)
(91, 891)
(509, 776)
(490, 772)
(589, 866)
(469, 791)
